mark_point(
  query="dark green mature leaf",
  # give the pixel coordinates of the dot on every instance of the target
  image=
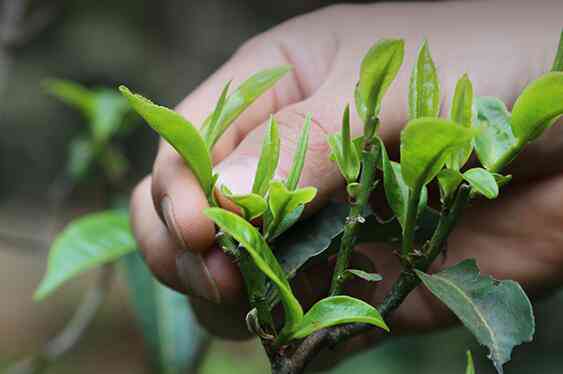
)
(498, 313)
(269, 158)
(495, 138)
(378, 70)
(482, 181)
(448, 180)
(337, 310)
(181, 134)
(251, 240)
(172, 335)
(343, 150)
(425, 145)
(424, 87)
(90, 241)
(240, 99)
(558, 62)
(252, 205)
(537, 107)
(370, 277)
(299, 156)
(283, 202)
(462, 113)
(470, 367)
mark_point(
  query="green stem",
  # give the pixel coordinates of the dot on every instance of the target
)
(410, 221)
(355, 217)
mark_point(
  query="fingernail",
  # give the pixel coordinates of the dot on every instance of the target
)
(196, 277)
(168, 213)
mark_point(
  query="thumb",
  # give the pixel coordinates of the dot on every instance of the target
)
(238, 169)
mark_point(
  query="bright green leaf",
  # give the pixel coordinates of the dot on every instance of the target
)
(495, 137)
(214, 117)
(337, 310)
(448, 180)
(482, 181)
(240, 99)
(181, 134)
(252, 205)
(269, 158)
(537, 107)
(88, 242)
(462, 113)
(344, 152)
(425, 144)
(502, 179)
(71, 93)
(299, 156)
(251, 240)
(470, 367)
(498, 313)
(108, 113)
(378, 70)
(558, 62)
(424, 87)
(396, 191)
(370, 277)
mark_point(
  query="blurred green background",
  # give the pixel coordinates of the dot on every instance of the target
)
(164, 49)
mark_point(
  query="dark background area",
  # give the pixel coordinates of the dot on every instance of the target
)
(163, 49)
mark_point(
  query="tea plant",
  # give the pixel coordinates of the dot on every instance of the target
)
(271, 244)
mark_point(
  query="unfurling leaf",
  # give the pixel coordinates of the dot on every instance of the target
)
(181, 134)
(370, 277)
(498, 313)
(239, 100)
(482, 181)
(425, 144)
(424, 87)
(378, 70)
(462, 113)
(299, 156)
(269, 158)
(344, 152)
(337, 310)
(495, 138)
(537, 107)
(558, 62)
(251, 240)
(252, 205)
(448, 180)
(470, 367)
(283, 202)
(80, 247)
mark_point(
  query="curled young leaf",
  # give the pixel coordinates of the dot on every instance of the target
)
(80, 247)
(370, 277)
(251, 240)
(337, 310)
(495, 138)
(536, 108)
(299, 156)
(269, 158)
(424, 87)
(498, 313)
(425, 145)
(252, 205)
(378, 70)
(181, 134)
(344, 152)
(482, 181)
(239, 100)
(462, 113)
(448, 180)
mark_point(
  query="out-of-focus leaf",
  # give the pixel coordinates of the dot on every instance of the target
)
(269, 157)
(425, 144)
(378, 70)
(482, 181)
(470, 367)
(337, 310)
(108, 113)
(251, 240)
(537, 107)
(81, 154)
(343, 150)
(448, 180)
(71, 93)
(114, 162)
(88, 242)
(424, 87)
(252, 205)
(498, 313)
(181, 134)
(299, 156)
(462, 113)
(370, 277)
(283, 202)
(558, 62)
(171, 332)
(495, 137)
(240, 99)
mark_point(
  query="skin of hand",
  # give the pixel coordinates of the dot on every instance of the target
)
(501, 44)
